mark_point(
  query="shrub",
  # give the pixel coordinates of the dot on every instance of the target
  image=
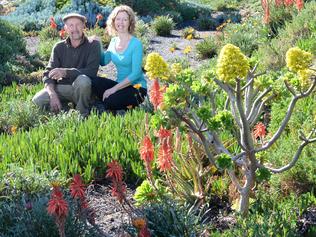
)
(176, 16)
(102, 33)
(11, 44)
(23, 207)
(247, 35)
(189, 33)
(163, 25)
(206, 23)
(32, 14)
(301, 28)
(45, 48)
(168, 218)
(191, 11)
(207, 48)
(144, 33)
(145, 7)
(48, 33)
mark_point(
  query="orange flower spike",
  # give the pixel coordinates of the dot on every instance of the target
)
(77, 188)
(299, 4)
(57, 206)
(147, 150)
(114, 171)
(278, 2)
(163, 133)
(139, 223)
(99, 17)
(52, 23)
(165, 156)
(266, 9)
(156, 95)
(259, 130)
(62, 33)
(288, 2)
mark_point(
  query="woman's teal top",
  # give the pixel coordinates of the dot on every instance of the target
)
(128, 63)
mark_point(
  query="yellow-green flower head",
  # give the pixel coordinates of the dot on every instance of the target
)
(297, 59)
(156, 67)
(176, 68)
(305, 76)
(231, 64)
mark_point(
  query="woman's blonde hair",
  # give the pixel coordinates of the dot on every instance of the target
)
(110, 21)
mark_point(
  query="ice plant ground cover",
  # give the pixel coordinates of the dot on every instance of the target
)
(224, 148)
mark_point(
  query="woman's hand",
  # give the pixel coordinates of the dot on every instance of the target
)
(108, 92)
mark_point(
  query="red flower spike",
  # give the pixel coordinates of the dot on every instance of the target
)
(266, 9)
(147, 150)
(165, 156)
(156, 94)
(299, 4)
(99, 17)
(77, 188)
(288, 2)
(52, 23)
(259, 130)
(62, 33)
(114, 171)
(163, 133)
(57, 206)
(278, 2)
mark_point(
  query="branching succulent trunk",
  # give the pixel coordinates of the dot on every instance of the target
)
(246, 104)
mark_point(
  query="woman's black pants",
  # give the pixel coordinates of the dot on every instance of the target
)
(128, 97)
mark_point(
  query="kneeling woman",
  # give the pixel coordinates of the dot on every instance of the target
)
(126, 52)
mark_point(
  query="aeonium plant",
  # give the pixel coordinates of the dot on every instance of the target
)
(190, 102)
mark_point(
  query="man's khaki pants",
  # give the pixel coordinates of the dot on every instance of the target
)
(79, 93)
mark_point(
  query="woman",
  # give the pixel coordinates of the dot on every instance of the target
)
(126, 52)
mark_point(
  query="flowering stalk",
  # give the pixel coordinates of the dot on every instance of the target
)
(53, 24)
(58, 208)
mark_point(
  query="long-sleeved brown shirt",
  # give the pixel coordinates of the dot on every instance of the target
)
(83, 59)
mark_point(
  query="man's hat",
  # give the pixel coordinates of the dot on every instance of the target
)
(76, 15)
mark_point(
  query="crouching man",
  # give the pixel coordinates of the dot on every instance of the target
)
(72, 63)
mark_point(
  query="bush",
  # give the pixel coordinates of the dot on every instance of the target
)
(45, 48)
(163, 25)
(145, 7)
(144, 33)
(102, 33)
(32, 14)
(191, 11)
(206, 23)
(11, 44)
(301, 28)
(23, 207)
(207, 48)
(248, 36)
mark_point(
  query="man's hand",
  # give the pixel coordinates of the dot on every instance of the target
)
(57, 73)
(94, 38)
(108, 92)
(55, 104)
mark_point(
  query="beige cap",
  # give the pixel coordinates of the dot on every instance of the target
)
(76, 15)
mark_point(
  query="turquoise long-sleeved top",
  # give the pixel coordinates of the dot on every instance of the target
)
(128, 63)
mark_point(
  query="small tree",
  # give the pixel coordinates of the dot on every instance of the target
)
(190, 101)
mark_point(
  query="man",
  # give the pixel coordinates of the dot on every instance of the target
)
(73, 61)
